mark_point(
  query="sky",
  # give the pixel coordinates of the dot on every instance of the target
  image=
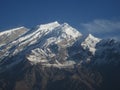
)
(99, 17)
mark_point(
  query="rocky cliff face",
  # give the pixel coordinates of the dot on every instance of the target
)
(56, 56)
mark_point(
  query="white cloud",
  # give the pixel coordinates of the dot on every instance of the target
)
(105, 28)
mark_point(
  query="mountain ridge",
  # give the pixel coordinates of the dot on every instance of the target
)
(52, 53)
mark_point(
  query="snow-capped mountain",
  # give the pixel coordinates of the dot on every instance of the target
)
(44, 44)
(48, 44)
(53, 46)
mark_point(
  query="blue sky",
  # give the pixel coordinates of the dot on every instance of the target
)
(78, 13)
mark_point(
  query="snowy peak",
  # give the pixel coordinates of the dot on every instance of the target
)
(92, 40)
(70, 30)
(90, 36)
(59, 29)
(49, 26)
(90, 43)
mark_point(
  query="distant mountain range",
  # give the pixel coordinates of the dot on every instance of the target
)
(56, 56)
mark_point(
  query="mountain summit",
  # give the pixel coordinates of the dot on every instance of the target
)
(52, 56)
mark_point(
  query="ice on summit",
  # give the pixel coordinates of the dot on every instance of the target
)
(90, 43)
(70, 31)
(49, 26)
